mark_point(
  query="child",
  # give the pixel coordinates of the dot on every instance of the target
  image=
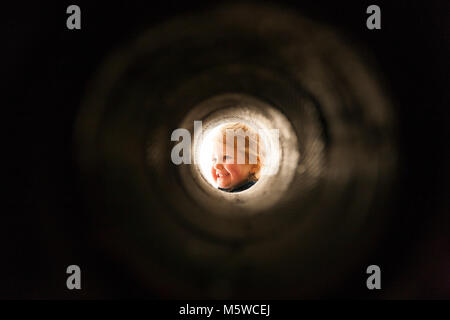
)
(236, 166)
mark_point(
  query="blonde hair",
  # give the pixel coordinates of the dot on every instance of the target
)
(252, 139)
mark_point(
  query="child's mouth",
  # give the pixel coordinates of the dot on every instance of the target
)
(221, 175)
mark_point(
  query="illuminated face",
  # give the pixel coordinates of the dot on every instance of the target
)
(227, 173)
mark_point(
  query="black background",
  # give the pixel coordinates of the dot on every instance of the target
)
(47, 69)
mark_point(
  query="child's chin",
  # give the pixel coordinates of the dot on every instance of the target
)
(223, 185)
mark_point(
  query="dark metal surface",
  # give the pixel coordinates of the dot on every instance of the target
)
(330, 215)
(89, 176)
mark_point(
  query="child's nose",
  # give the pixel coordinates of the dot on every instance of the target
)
(218, 166)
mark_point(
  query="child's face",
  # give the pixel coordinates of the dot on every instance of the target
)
(228, 175)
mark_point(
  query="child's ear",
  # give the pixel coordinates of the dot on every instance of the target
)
(255, 171)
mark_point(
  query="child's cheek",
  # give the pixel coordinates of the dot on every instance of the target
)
(235, 173)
